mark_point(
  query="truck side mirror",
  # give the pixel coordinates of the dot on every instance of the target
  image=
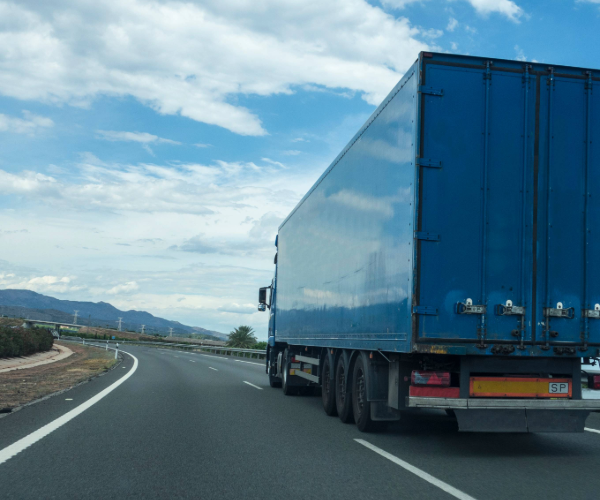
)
(262, 298)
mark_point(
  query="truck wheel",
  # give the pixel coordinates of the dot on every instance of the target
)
(274, 380)
(287, 390)
(328, 389)
(343, 401)
(360, 405)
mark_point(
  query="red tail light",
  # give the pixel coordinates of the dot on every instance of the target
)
(594, 381)
(439, 379)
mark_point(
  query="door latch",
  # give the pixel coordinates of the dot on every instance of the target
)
(591, 313)
(509, 310)
(559, 311)
(467, 307)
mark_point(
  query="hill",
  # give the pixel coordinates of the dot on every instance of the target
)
(25, 303)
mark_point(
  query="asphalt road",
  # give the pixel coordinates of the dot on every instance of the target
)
(191, 426)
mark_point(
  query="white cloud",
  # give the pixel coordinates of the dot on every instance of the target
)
(142, 137)
(454, 46)
(28, 125)
(238, 308)
(452, 24)
(40, 284)
(149, 188)
(292, 152)
(189, 58)
(506, 7)
(128, 287)
(520, 54)
(431, 33)
(398, 4)
(200, 145)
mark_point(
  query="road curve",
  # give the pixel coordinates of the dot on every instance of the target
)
(200, 426)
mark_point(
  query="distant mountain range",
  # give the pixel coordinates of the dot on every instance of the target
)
(32, 305)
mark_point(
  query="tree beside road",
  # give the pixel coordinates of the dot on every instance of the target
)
(242, 337)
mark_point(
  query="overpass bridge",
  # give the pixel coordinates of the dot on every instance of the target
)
(28, 323)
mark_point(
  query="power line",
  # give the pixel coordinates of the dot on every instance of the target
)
(120, 319)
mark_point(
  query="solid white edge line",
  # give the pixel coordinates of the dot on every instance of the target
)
(34, 437)
(248, 362)
(218, 357)
(418, 472)
(213, 368)
(255, 386)
(592, 430)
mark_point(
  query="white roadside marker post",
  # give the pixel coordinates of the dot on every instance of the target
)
(117, 351)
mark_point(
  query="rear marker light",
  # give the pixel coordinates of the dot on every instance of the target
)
(438, 379)
(594, 381)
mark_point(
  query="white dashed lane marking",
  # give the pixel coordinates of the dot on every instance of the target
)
(417, 472)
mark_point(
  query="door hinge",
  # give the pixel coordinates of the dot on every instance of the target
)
(430, 90)
(428, 162)
(588, 81)
(426, 235)
(426, 310)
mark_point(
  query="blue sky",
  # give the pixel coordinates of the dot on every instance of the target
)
(149, 150)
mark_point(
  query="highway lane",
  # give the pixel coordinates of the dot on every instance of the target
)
(189, 425)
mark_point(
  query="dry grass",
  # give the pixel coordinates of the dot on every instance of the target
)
(23, 386)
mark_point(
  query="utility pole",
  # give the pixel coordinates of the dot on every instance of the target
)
(170, 332)
(75, 318)
(143, 329)
(120, 319)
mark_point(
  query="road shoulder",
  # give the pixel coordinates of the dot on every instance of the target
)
(27, 386)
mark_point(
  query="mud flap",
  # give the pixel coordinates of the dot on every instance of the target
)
(380, 412)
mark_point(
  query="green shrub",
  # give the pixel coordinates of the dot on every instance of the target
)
(24, 341)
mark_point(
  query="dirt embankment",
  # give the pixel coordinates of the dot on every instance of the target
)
(23, 386)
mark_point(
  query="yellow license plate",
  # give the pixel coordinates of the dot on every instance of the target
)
(520, 387)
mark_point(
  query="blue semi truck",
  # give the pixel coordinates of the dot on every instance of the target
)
(450, 255)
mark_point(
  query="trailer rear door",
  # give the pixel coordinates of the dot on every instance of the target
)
(568, 269)
(474, 234)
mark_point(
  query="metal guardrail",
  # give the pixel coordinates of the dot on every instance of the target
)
(228, 351)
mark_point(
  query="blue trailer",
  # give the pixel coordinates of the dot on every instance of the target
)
(448, 258)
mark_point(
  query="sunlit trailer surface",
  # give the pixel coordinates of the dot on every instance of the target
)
(447, 258)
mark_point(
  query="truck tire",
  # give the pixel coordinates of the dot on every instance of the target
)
(360, 406)
(328, 389)
(287, 390)
(274, 380)
(343, 401)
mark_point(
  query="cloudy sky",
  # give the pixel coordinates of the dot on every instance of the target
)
(150, 149)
